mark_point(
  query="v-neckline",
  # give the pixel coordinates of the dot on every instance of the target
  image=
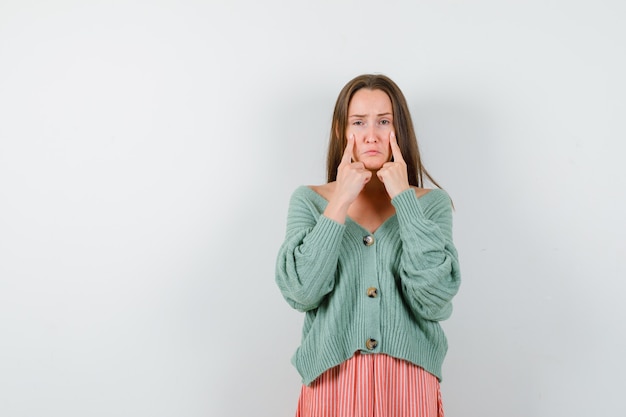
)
(351, 220)
(375, 231)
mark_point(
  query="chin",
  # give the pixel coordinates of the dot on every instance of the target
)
(373, 166)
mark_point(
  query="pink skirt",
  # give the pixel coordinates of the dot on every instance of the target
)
(372, 385)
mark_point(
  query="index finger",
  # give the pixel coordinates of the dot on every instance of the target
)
(347, 153)
(395, 149)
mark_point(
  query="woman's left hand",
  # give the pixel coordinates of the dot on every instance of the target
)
(394, 174)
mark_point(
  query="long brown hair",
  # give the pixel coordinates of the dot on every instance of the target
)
(402, 123)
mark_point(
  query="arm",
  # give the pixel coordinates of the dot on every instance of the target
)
(307, 260)
(429, 267)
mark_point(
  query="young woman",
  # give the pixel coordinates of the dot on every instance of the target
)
(369, 257)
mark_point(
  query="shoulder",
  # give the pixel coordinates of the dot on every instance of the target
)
(323, 190)
(421, 192)
(308, 196)
(430, 194)
(433, 199)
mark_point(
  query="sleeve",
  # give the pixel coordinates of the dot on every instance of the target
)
(307, 259)
(429, 266)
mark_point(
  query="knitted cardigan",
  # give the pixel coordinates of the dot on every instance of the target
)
(325, 269)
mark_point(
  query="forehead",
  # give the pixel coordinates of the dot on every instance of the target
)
(366, 101)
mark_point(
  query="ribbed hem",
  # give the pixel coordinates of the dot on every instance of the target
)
(320, 352)
(312, 364)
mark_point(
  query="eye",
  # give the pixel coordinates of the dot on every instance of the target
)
(385, 122)
(357, 123)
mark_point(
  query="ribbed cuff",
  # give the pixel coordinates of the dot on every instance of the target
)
(407, 205)
(326, 234)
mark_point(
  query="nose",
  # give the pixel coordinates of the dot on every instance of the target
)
(370, 135)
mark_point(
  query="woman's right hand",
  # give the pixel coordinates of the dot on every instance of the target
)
(351, 178)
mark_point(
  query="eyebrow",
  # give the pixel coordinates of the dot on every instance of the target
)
(364, 115)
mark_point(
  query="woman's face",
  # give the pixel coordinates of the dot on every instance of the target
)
(370, 120)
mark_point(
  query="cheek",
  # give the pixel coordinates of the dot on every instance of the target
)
(357, 130)
(387, 146)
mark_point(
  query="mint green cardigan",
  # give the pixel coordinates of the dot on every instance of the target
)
(328, 270)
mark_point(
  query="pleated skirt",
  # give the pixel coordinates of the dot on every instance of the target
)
(372, 385)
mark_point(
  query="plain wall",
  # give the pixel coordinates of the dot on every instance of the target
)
(148, 150)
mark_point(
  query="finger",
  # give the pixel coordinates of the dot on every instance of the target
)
(395, 149)
(347, 153)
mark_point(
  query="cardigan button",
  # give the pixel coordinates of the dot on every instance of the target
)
(372, 292)
(368, 240)
(371, 344)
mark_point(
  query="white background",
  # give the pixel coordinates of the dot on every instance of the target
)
(148, 151)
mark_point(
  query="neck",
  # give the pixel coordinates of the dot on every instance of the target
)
(374, 188)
